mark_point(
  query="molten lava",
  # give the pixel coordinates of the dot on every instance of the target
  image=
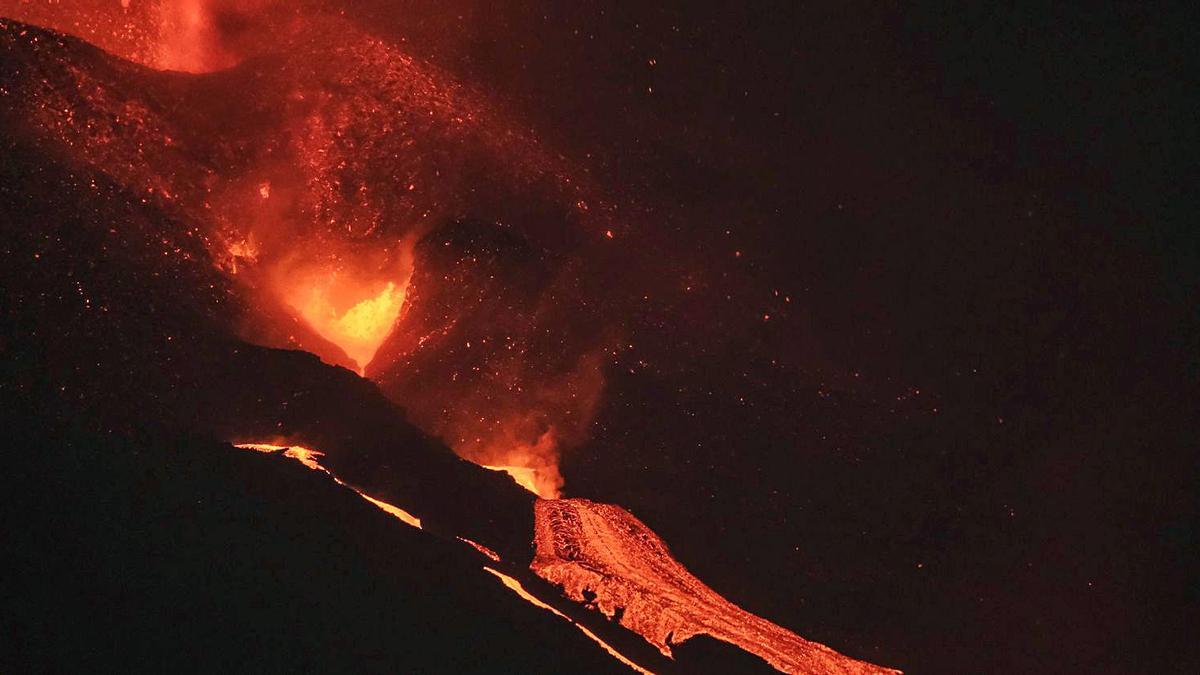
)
(358, 330)
(537, 481)
(309, 457)
(516, 587)
(603, 553)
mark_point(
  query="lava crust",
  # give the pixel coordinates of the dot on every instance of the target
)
(601, 553)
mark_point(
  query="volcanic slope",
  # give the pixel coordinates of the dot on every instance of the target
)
(125, 376)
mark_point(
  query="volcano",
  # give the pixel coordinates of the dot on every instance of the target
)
(383, 337)
(179, 268)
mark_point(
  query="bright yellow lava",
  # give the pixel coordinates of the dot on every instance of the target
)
(373, 316)
(359, 330)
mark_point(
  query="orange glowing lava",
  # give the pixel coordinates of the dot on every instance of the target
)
(516, 587)
(309, 457)
(545, 483)
(603, 555)
(483, 550)
(343, 265)
(358, 329)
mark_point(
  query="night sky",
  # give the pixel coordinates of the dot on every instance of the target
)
(918, 373)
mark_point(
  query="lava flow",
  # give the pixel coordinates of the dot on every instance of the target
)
(516, 587)
(603, 552)
(309, 457)
(601, 555)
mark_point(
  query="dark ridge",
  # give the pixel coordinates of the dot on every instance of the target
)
(187, 554)
(139, 341)
(705, 654)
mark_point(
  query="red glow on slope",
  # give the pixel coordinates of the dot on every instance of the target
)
(346, 152)
(194, 36)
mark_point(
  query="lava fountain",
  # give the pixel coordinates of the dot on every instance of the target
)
(358, 330)
(313, 163)
(344, 303)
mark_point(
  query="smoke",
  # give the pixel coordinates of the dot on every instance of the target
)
(497, 350)
(199, 36)
(530, 429)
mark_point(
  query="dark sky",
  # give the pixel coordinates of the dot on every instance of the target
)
(962, 440)
(911, 298)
